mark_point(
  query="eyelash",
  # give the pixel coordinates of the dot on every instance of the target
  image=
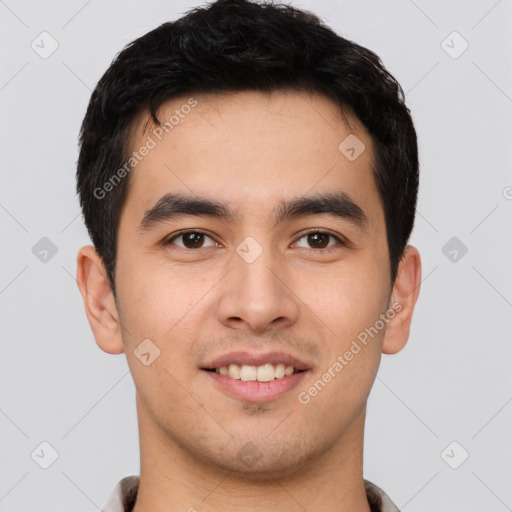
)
(313, 231)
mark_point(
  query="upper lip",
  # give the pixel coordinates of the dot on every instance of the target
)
(255, 359)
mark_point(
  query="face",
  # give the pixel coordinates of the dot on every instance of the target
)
(256, 271)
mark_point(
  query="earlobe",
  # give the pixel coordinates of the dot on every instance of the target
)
(99, 302)
(403, 299)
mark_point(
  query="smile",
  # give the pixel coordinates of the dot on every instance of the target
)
(255, 377)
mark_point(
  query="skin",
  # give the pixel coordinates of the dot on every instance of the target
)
(250, 150)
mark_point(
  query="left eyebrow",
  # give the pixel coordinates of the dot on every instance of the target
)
(337, 204)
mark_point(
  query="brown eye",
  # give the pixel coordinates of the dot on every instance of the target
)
(191, 240)
(319, 240)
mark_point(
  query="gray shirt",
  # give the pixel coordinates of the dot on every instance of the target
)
(124, 496)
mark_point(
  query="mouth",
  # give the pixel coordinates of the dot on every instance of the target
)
(263, 373)
(256, 377)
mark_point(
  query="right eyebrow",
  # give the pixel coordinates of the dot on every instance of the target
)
(174, 206)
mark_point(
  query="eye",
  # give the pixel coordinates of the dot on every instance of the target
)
(192, 240)
(319, 240)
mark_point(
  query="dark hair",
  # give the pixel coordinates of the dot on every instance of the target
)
(236, 45)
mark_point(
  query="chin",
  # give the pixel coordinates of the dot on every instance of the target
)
(261, 460)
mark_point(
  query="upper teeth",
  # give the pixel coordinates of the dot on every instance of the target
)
(263, 373)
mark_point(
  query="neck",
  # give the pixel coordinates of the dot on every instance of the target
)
(173, 481)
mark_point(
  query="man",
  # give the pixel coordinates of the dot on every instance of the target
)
(249, 181)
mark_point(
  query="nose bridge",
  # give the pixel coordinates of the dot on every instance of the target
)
(258, 277)
(255, 295)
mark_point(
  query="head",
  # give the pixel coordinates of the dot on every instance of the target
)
(287, 155)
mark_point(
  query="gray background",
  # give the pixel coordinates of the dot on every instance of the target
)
(453, 380)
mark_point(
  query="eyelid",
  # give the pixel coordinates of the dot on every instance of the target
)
(168, 240)
(341, 240)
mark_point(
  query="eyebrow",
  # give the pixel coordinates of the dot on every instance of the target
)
(174, 206)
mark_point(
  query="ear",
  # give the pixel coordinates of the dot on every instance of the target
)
(99, 302)
(403, 296)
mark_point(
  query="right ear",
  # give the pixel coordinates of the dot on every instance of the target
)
(99, 302)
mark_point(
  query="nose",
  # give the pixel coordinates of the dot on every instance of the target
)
(257, 297)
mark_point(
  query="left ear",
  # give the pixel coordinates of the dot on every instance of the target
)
(403, 299)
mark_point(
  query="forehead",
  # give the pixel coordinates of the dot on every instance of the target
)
(251, 148)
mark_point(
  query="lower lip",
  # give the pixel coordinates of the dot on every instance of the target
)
(256, 391)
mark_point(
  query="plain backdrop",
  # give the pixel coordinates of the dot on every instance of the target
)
(439, 416)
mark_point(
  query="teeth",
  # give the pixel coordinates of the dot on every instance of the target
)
(234, 371)
(263, 373)
(248, 373)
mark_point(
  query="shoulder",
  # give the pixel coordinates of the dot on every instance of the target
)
(124, 495)
(379, 501)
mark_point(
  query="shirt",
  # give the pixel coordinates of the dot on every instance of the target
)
(125, 494)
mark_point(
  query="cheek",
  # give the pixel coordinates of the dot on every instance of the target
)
(164, 306)
(349, 305)
(158, 311)
(157, 298)
(347, 300)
